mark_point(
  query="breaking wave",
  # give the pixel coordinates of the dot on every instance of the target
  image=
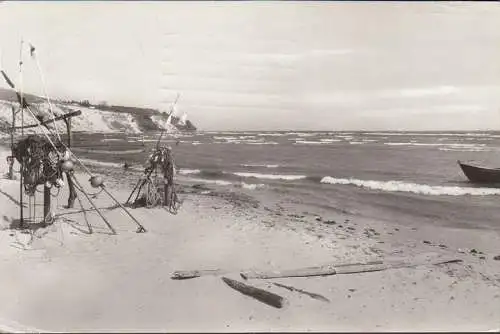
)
(271, 176)
(184, 171)
(260, 165)
(423, 189)
(108, 151)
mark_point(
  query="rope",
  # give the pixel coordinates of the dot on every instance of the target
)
(46, 95)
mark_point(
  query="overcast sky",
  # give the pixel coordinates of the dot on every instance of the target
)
(270, 65)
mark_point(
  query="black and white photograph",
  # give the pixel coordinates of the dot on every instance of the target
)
(249, 166)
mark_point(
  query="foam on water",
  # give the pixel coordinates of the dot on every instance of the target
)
(108, 151)
(251, 186)
(260, 165)
(217, 182)
(271, 176)
(100, 163)
(185, 171)
(451, 145)
(308, 142)
(423, 189)
(329, 140)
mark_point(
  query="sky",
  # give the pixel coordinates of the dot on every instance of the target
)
(269, 65)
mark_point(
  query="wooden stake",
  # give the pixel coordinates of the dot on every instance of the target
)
(11, 163)
(46, 205)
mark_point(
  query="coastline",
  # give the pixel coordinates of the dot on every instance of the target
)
(109, 283)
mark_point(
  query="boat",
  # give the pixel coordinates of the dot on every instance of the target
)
(479, 174)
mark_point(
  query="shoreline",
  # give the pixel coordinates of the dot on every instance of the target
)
(122, 282)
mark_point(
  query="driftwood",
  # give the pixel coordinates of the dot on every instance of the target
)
(304, 272)
(310, 294)
(261, 295)
(186, 274)
(333, 269)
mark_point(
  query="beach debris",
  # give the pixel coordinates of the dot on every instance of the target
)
(496, 257)
(302, 272)
(329, 222)
(355, 268)
(427, 242)
(187, 274)
(261, 295)
(310, 294)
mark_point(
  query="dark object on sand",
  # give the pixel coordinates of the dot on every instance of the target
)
(126, 166)
(497, 258)
(186, 274)
(264, 296)
(310, 294)
(480, 174)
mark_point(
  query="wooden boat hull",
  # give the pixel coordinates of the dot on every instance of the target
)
(479, 174)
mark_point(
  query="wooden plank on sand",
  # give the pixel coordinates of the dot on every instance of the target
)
(355, 268)
(187, 274)
(305, 272)
(261, 295)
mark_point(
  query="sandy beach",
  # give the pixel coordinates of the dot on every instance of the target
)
(61, 278)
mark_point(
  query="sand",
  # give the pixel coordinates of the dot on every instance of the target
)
(61, 278)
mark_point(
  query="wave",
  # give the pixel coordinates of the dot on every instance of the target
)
(434, 134)
(260, 165)
(217, 182)
(271, 134)
(100, 163)
(329, 140)
(471, 149)
(251, 186)
(422, 189)
(271, 176)
(308, 142)
(451, 145)
(108, 151)
(185, 171)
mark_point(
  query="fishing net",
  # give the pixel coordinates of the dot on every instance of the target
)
(154, 190)
(39, 161)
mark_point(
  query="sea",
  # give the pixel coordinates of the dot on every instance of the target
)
(406, 177)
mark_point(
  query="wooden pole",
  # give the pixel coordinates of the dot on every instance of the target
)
(58, 118)
(71, 185)
(21, 211)
(46, 205)
(11, 163)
